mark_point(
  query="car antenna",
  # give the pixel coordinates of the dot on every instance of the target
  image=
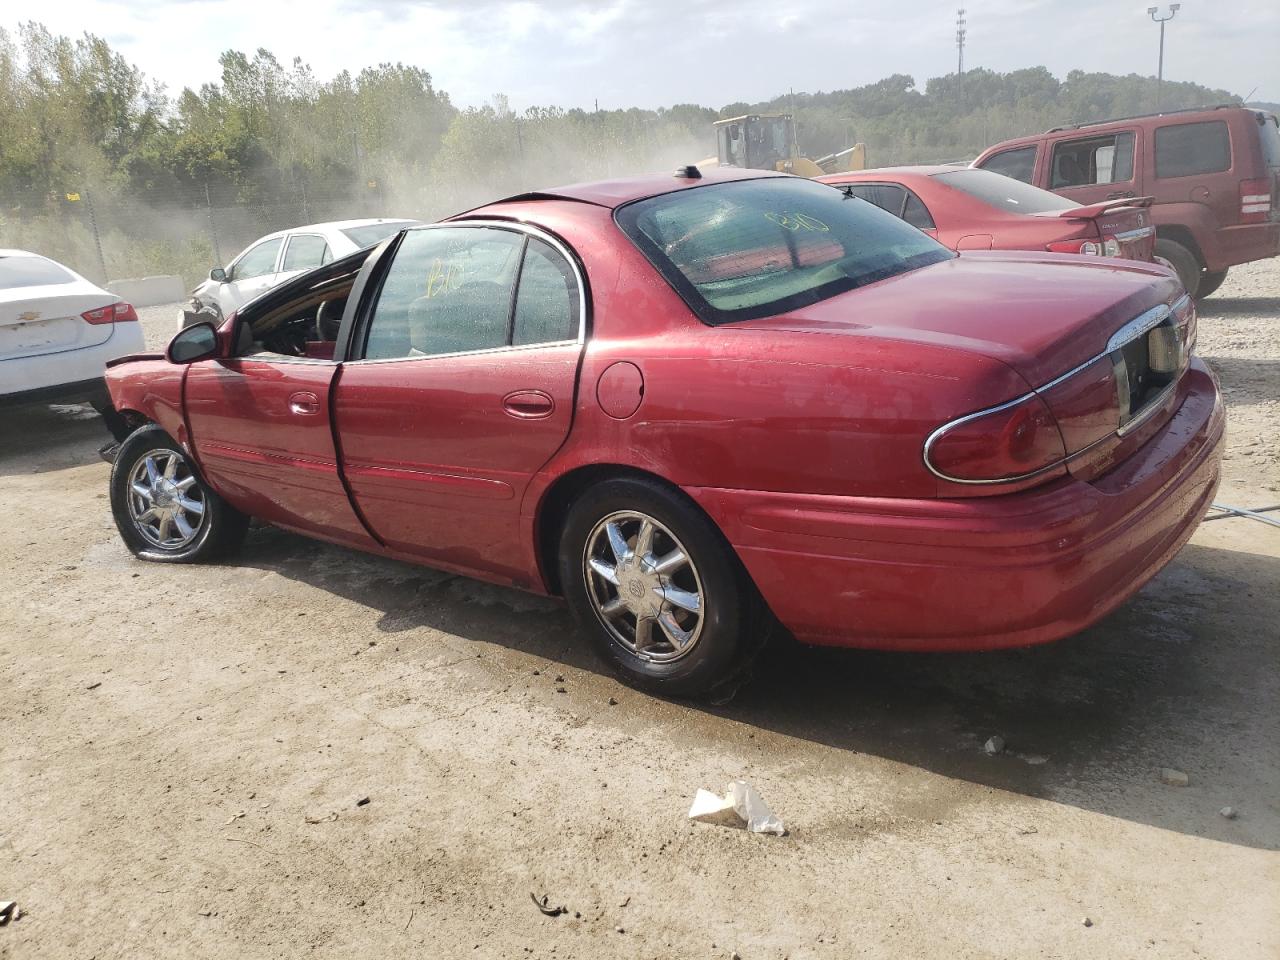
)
(691, 172)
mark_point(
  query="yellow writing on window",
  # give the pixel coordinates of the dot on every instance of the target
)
(443, 277)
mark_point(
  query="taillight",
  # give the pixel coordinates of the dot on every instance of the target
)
(1090, 248)
(1109, 247)
(1255, 200)
(114, 313)
(1010, 442)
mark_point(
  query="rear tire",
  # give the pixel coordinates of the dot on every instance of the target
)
(162, 506)
(1184, 263)
(1210, 282)
(665, 600)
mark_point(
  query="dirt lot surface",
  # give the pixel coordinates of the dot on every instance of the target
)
(186, 751)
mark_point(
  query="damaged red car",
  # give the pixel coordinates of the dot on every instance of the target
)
(699, 408)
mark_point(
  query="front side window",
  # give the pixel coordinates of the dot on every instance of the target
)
(1004, 193)
(1081, 163)
(257, 261)
(1019, 163)
(372, 233)
(1191, 149)
(753, 248)
(305, 251)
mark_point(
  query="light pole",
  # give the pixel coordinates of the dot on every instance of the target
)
(1153, 13)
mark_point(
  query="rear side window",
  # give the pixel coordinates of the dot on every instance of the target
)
(917, 214)
(1269, 134)
(306, 251)
(753, 248)
(1019, 164)
(1190, 149)
(31, 272)
(1004, 193)
(1080, 163)
(547, 301)
(886, 196)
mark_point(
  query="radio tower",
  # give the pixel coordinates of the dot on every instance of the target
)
(961, 31)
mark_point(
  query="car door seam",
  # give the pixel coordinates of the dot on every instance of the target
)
(339, 459)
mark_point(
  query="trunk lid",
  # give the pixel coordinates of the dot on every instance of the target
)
(1126, 221)
(1042, 314)
(47, 319)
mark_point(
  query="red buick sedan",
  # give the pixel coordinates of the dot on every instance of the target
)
(698, 407)
(980, 210)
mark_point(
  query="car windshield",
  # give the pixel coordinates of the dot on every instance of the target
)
(1004, 193)
(31, 272)
(752, 248)
(372, 233)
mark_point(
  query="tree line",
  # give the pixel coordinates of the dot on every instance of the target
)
(270, 145)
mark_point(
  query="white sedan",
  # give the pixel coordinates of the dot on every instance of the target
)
(273, 259)
(57, 332)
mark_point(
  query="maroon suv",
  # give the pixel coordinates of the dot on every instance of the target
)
(1214, 174)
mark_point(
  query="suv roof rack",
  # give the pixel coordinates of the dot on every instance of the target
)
(1141, 116)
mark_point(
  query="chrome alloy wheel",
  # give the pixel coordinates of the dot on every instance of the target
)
(644, 586)
(166, 504)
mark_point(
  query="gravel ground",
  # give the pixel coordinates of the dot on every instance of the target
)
(188, 748)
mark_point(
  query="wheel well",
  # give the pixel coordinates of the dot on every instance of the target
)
(554, 509)
(1180, 234)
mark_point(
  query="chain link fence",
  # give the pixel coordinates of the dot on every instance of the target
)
(107, 237)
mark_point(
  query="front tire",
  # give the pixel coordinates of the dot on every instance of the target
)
(665, 600)
(163, 508)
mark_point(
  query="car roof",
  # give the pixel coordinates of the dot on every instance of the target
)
(1146, 119)
(23, 253)
(615, 193)
(915, 170)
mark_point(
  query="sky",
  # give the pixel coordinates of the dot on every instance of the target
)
(650, 53)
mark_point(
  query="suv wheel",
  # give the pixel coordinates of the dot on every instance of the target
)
(1210, 282)
(1184, 263)
(662, 595)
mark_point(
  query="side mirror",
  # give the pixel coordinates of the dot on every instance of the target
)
(196, 342)
(218, 275)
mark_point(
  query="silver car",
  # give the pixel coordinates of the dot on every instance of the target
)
(273, 259)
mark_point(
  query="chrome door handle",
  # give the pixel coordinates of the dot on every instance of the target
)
(304, 404)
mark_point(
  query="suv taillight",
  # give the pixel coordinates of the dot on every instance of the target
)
(114, 313)
(1255, 201)
(1011, 442)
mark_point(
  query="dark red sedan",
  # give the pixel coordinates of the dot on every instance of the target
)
(697, 408)
(980, 210)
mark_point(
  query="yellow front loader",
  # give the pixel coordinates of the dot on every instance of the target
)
(768, 142)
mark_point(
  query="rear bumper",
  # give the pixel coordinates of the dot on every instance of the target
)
(79, 392)
(57, 376)
(981, 573)
(1242, 244)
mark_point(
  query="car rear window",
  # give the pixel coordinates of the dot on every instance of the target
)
(1190, 149)
(752, 248)
(31, 272)
(1004, 193)
(1269, 134)
(372, 233)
